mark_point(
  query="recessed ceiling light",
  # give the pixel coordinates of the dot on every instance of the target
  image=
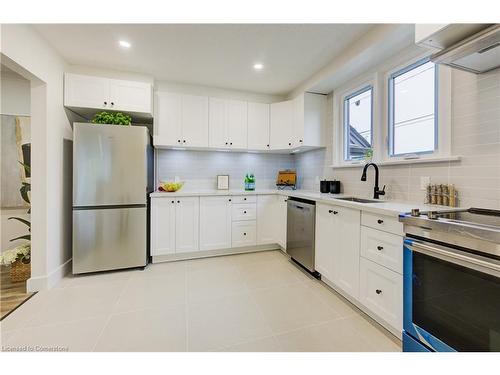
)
(124, 44)
(258, 66)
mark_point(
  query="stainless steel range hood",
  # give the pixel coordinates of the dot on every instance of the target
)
(477, 54)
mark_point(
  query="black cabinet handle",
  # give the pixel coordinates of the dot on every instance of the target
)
(380, 221)
(335, 212)
(105, 103)
(244, 234)
(244, 212)
(244, 199)
(226, 143)
(330, 211)
(289, 144)
(380, 248)
(178, 201)
(230, 143)
(378, 291)
(267, 145)
(184, 141)
(229, 199)
(173, 201)
(300, 140)
(112, 103)
(179, 140)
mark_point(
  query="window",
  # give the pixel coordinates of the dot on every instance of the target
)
(358, 123)
(413, 109)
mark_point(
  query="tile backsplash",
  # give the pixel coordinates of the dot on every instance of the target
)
(199, 169)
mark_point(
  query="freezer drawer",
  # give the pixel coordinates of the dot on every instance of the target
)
(108, 239)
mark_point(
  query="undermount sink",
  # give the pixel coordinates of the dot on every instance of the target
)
(359, 200)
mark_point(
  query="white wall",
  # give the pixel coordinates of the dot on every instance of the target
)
(15, 94)
(475, 111)
(51, 215)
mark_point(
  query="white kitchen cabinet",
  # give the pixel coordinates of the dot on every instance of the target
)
(267, 215)
(130, 96)
(282, 130)
(337, 246)
(194, 121)
(244, 233)
(215, 223)
(180, 120)
(162, 226)
(382, 248)
(82, 91)
(244, 211)
(86, 91)
(381, 291)
(325, 239)
(281, 220)
(228, 123)
(258, 126)
(187, 216)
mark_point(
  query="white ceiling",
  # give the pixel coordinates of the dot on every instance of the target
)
(219, 55)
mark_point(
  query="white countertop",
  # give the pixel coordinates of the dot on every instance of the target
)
(384, 207)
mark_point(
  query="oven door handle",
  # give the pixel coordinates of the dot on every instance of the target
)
(481, 264)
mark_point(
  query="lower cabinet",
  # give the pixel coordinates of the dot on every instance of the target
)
(175, 225)
(381, 291)
(215, 223)
(267, 214)
(244, 233)
(337, 246)
(281, 220)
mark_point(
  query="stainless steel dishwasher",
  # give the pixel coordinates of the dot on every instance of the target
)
(301, 215)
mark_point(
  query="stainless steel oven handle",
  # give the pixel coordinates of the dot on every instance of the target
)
(491, 267)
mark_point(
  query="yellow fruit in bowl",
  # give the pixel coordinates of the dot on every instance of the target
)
(170, 186)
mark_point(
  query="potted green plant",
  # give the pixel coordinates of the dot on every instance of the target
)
(112, 118)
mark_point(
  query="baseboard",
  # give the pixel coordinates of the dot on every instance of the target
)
(212, 253)
(35, 284)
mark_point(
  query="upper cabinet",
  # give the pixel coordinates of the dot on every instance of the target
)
(180, 120)
(228, 124)
(298, 123)
(258, 126)
(88, 94)
(190, 121)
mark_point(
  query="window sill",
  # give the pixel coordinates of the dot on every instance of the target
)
(401, 162)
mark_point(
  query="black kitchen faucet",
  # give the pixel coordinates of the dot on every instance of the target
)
(376, 192)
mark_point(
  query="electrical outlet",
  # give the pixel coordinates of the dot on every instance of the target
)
(424, 181)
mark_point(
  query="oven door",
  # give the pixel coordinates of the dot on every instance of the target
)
(451, 298)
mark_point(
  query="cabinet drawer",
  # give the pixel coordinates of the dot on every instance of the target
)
(382, 222)
(381, 291)
(247, 211)
(244, 199)
(244, 233)
(383, 248)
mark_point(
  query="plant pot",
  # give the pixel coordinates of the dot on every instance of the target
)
(20, 271)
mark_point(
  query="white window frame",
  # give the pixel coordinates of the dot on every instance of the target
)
(442, 147)
(345, 109)
(339, 131)
(378, 78)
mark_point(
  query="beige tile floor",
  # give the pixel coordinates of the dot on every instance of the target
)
(250, 302)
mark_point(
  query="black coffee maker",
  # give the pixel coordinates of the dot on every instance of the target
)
(332, 187)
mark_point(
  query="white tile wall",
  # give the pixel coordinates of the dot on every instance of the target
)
(199, 169)
(475, 136)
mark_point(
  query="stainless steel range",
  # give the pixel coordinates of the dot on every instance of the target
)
(452, 280)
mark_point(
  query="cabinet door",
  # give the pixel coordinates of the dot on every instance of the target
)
(86, 91)
(281, 220)
(215, 223)
(162, 226)
(325, 240)
(281, 125)
(187, 217)
(237, 124)
(130, 96)
(311, 128)
(346, 228)
(168, 119)
(258, 126)
(381, 290)
(194, 121)
(266, 220)
(298, 121)
(217, 123)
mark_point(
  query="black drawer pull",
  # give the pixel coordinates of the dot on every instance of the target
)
(378, 291)
(244, 233)
(173, 201)
(229, 199)
(244, 212)
(380, 221)
(380, 248)
(178, 201)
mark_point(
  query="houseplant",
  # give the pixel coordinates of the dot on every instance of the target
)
(19, 257)
(111, 118)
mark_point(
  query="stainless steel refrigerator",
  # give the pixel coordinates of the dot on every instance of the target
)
(112, 179)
